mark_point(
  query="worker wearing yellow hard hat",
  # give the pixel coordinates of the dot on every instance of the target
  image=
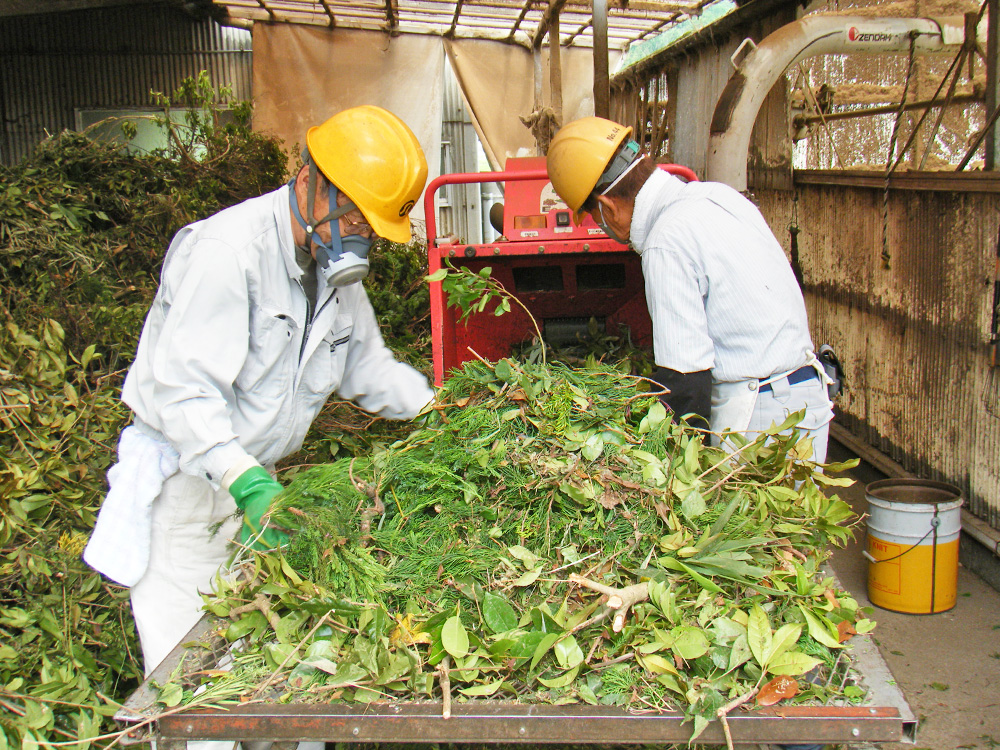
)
(730, 335)
(260, 316)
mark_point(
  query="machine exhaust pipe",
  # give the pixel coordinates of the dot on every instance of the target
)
(759, 69)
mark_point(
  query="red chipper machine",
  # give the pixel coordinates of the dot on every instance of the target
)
(565, 274)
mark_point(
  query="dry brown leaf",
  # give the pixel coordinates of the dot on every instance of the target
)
(609, 500)
(778, 689)
(845, 630)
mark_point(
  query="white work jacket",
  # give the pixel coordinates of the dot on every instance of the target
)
(233, 363)
(722, 297)
(721, 294)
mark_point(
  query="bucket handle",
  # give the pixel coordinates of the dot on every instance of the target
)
(935, 522)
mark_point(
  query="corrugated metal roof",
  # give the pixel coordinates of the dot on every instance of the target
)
(515, 21)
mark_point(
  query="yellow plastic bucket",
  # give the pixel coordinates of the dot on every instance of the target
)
(912, 547)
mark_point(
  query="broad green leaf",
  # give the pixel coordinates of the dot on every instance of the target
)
(568, 652)
(820, 630)
(481, 691)
(657, 664)
(656, 414)
(692, 453)
(548, 640)
(561, 681)
(437, 275)
(594, 448)
(247, 624)
(498, 615)
(526, 556)
(739, 653)
(675, 564)
(347, 674)
(832, 481)
(783, 640)
(759, 634)
(693, 505)
(792, 663)
(528, 578)
(366, 695)
(170, 695)
(689, 642)
(670, 682)
(455, 638)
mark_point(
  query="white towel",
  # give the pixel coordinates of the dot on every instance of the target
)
(119, 545)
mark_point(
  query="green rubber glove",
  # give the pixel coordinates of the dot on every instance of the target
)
(253, 491)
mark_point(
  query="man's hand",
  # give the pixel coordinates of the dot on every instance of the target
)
(253, 491)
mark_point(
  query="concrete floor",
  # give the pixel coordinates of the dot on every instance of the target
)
(947, 664)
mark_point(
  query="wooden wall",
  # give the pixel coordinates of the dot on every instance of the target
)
(915, 325)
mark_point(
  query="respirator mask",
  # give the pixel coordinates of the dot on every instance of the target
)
(344, 259)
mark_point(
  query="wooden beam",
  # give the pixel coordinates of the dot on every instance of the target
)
(454, 18)
(270, 13)
(990, 157)
(543, 25)
(885, 109)
(329, 12)
(555, 68)
(520, 18)
(646, 6)
(602, 84)
(390, 15)
(948, 182)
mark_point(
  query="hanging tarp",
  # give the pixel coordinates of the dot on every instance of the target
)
(302, 75)
(497, 81)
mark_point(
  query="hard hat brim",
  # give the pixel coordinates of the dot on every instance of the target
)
(397, 231)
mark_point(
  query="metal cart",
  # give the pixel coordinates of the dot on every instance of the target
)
(884, 716)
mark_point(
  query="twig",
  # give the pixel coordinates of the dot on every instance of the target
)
(444, 676)
(575, 562)
(260, 604)
(620, 600)
(724, 711)
(611, 662)
(479, 356)
(371, 492)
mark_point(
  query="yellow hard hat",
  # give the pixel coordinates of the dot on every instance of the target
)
(578, 155)
(373, 157)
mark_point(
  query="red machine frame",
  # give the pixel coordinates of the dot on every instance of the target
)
(563, 273)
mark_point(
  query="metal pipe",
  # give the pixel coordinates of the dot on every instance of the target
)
(885, 109)
(737, 108)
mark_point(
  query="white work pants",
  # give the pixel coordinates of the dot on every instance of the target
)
(784, 399)
(184, 559)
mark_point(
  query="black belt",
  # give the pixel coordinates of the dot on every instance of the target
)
(804, 373)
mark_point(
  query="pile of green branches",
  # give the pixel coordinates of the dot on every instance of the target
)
(547, 535)
(84, 224)
(83, 229)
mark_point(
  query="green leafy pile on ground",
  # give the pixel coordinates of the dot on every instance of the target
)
(547, 535)
(83, 230)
